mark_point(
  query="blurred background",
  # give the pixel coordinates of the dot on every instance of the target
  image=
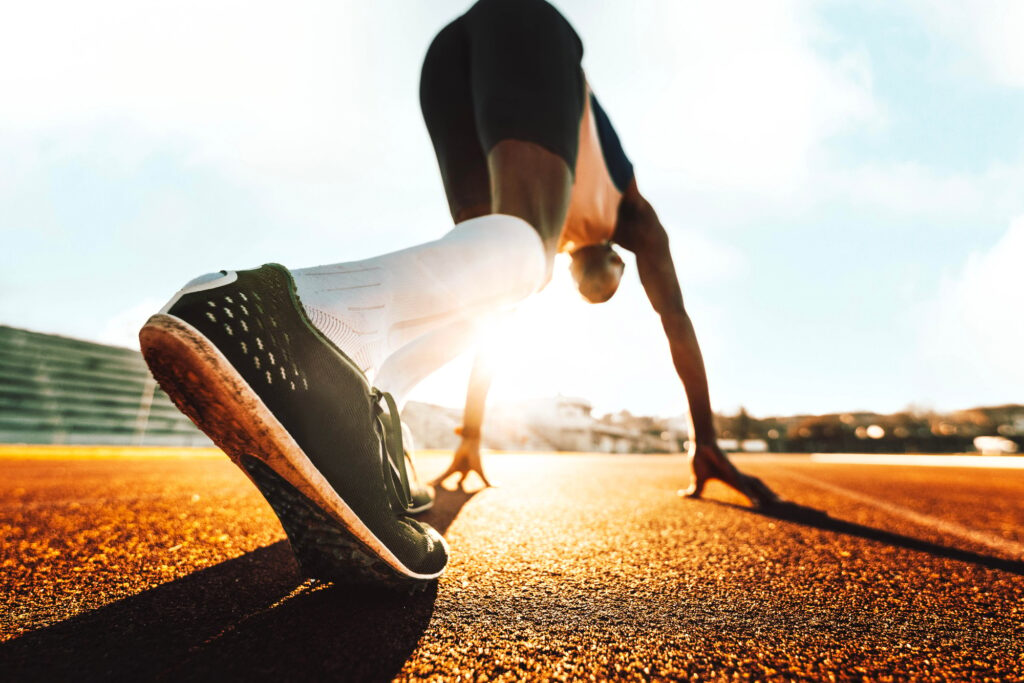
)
(843, 186)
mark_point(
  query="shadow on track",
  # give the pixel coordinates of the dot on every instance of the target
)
(251, 617)
(819, 519)
(447, 505)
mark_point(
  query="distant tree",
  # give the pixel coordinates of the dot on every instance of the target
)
(818, 432)
(742, 426)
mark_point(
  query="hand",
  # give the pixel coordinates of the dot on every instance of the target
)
(467, 459)
(707, 461)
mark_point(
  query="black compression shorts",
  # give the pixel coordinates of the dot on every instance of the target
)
(506, 69)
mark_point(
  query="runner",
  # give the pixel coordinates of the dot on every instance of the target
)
(297, 374)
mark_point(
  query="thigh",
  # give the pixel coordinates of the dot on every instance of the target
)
(525, 74)
(447, 104)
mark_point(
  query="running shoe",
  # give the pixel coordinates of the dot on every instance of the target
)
(236, 352)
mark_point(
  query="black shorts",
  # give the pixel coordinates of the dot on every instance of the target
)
(505, 70)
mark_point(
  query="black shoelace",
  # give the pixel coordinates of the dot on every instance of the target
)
(396, 477)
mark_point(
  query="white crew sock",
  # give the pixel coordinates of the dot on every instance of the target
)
(372, 308)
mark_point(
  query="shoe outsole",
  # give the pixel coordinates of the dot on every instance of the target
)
(324, 549)
(328, 539)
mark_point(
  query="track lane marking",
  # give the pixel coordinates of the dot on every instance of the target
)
(943, 526)
(996, 462)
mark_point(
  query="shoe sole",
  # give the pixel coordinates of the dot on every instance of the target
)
(328, 538)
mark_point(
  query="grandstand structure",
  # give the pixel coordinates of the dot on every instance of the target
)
(58, 390)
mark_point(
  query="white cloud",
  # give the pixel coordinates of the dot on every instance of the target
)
(740, 98)
(973, 331)
(733, 93)
(913, 189)
(298, 129)
(253, 84)
(991, 31)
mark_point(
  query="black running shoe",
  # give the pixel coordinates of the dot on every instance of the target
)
(237, 354)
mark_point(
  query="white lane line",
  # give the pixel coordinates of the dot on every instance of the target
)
(941, 525)
(1000, 462)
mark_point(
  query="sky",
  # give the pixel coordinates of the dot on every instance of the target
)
(842, 182)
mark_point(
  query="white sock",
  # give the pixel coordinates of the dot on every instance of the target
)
(372, 308)
(404, 369)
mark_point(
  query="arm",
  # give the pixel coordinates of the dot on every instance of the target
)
(476, 398)
(467, 456)
(639, 230)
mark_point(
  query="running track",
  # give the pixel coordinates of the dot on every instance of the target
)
(172, 567)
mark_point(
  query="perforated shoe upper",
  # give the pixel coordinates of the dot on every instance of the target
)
(317, 393)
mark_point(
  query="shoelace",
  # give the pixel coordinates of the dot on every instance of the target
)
(393, 460)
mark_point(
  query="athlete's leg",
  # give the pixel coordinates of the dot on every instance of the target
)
(501, 92)
(374, 307)
(505, 79)
(534, 184)
(447, 105)
(264, 378)
(528, 89)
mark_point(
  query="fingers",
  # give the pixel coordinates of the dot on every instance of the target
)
(703, 469)
(724, 470)
(437, 481)
(452, 469)
(463, 467)
(476, 465)
(478, 468)
(754, 489)
(695, 489)
(746, 485)
(764, 494)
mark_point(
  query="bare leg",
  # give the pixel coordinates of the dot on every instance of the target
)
(465, 91)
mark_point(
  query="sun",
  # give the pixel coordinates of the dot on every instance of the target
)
(520, 346)
(525, 346)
